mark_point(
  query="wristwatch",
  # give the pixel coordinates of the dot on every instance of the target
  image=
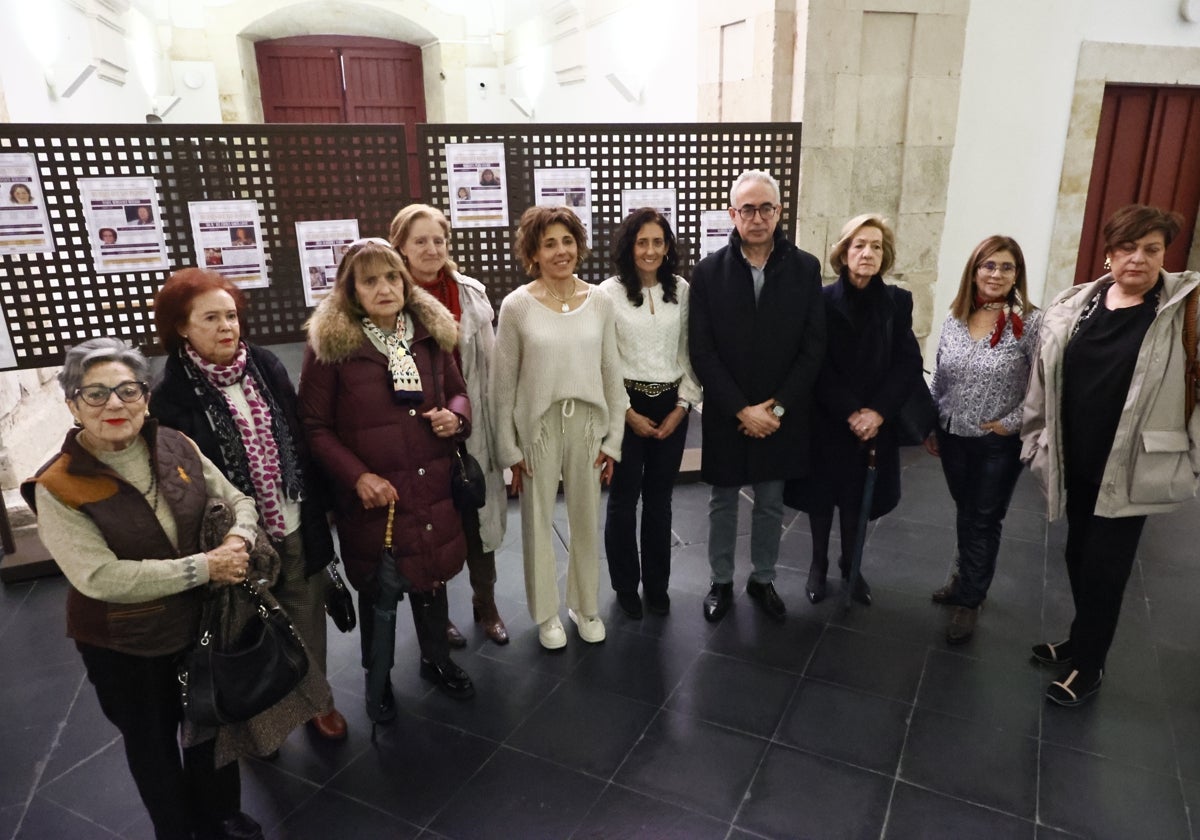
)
(778, 410)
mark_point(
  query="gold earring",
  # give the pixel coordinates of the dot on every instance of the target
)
(1108, 264)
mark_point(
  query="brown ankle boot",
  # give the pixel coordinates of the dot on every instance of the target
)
(487, 615)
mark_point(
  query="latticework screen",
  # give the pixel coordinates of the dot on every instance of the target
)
(294, 172)
(700, 161)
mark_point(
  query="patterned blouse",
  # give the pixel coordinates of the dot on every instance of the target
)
(976, 383)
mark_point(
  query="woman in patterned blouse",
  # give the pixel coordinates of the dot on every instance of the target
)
(987, 346)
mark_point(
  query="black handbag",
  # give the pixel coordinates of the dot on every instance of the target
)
(339, 603)
(227, 680)
(917, 417)
(467, 481)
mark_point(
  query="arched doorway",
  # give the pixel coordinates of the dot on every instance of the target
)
(342, 79)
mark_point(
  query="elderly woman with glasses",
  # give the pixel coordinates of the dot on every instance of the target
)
(1108, 430)
(987, 347)
(120, 509)
(236, 401)
(385, 408)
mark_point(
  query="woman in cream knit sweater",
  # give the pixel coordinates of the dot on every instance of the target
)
(559, 403)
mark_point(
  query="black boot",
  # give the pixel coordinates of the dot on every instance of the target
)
(431, 612)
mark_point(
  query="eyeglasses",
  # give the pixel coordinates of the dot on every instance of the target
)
(97, 395)
(1004, 268)
(767, 211)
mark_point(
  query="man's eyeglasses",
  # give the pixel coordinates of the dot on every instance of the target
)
(1005, 268)
(767, 211)
(97, 395)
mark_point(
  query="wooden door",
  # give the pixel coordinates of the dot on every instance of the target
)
(1147, 152)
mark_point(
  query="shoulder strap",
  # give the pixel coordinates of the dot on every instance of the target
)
(1191, 374)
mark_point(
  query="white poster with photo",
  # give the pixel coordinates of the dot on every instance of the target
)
(322, 246)
(24, 225)
(662, 200)
(124, 224)
(715, 226)
(478, 193)
(566, 188)
(229, 241)
(8, 358)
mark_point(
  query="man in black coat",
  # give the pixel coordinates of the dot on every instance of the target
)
(757, 337)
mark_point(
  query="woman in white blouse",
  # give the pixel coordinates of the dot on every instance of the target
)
(984, 355)
(651, 303)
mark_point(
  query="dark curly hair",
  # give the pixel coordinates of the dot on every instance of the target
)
(622, 254)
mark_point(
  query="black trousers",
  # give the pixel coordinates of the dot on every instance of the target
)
(140, 695)
(1100, 553)
(981, 473)
(648, 468)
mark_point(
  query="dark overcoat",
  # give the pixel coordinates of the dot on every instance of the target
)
(177, 405)
(745, 354)
(356, 426)
(872, 360)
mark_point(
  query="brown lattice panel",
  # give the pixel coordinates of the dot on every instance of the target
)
(699, 161)
(294, 172)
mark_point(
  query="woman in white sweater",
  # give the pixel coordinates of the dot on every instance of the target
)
(559, 407)
(652, 315)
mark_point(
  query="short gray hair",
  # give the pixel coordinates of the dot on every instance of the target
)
(755, 175)
(82, 356)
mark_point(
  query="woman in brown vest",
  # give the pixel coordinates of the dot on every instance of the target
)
(120, 510)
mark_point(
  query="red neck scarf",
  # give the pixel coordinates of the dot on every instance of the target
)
(1018, 326)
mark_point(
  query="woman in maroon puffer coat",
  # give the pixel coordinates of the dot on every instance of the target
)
(384, 407)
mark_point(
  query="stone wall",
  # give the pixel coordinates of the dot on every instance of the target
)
(33, 420)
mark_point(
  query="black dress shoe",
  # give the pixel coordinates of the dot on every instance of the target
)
(238, 827)
(449, 678)
(718, 601)
(630, 604)
(815, 587)
(767, 598)
(862, 589)
(658, 603)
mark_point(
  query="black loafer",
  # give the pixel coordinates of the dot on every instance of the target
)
(1054, 654)
(1075, 689)
(449, 678)
(815, 587)
(658, 603)
(767, 598)
(718, 601)
(630, 604)
(238, 827)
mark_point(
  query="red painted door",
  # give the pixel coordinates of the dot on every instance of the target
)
(1147, 152)
(326, 79)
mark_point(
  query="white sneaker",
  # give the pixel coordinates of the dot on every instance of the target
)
(551, 634)
(591, 628)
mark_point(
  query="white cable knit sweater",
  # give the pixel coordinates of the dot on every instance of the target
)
(543, 357)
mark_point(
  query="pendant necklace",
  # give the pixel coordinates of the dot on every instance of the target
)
(566, 302)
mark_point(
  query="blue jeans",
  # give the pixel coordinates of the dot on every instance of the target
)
(981, 473)
(766, 527)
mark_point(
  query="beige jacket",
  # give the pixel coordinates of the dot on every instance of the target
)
(1155, 457)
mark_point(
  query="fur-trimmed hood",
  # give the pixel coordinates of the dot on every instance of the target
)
(334, 333)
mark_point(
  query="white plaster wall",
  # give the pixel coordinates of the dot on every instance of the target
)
(1018, 81)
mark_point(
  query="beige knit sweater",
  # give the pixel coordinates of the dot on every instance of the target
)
(544, 357)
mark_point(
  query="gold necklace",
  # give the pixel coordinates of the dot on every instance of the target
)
(566, 302)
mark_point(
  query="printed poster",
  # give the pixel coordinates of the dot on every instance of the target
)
(662, 200)
(322, 245)
(566, 187)
(24, 224)
(124, 224)
(228, 241)
(715, 226)
(478, 192)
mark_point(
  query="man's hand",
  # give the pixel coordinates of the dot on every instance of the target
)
(757, 421)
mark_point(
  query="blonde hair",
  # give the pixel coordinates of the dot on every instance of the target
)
(403, 221)
(837, 254)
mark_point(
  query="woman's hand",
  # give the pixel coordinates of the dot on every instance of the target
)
(865, 423)
(996, 428)
(605, 464)
(374, 491)
(931, 445)
(641, 425)
(670, 423)
(446, 424)
(229, 562)
(518, 469)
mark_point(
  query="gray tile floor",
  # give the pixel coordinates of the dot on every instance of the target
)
(860, 724)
